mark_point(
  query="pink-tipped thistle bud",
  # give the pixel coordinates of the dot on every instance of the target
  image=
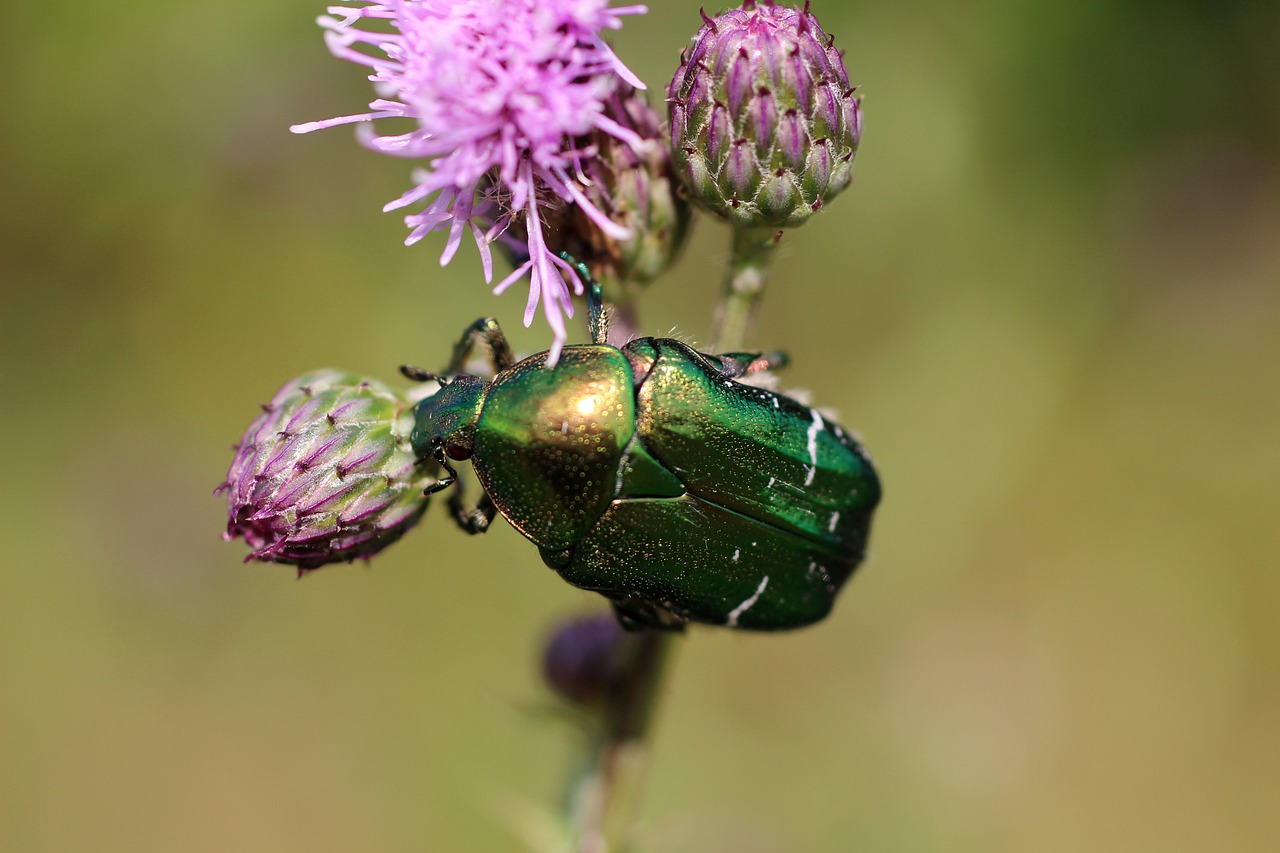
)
(764, 123)
(326, 473)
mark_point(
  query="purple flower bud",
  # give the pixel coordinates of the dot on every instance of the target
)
(326, 473)
(582, 660)
(764, 123)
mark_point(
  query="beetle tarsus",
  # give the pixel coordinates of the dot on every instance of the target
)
(747, 363)
(417, 374)
(438, 486)
(444, 482)
(475, 519)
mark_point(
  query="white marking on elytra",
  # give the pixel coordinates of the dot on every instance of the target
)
(835, 519)
(772, 480)
(813, 447)
(732, 621)
(622, 468)
(564, 427)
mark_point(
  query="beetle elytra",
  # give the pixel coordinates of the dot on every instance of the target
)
(649, 474)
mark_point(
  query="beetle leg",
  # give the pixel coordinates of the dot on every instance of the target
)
(444, 482)
(597, 315)
(737, 364)
(438, 486)
(417, 374)
(485, 329)
(767, 361)
(474, 519)
(638, 614)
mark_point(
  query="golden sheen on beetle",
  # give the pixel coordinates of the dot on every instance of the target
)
(650, 474)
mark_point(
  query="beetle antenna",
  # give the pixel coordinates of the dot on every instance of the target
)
(597, 317)
(417, 374)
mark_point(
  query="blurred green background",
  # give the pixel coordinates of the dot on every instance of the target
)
(1049, 303)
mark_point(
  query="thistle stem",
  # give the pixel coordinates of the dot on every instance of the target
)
(604, 792)
(605, 795)
(753, 251)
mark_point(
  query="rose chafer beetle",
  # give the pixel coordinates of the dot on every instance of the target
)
(649, 474)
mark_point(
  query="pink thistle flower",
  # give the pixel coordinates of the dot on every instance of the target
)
(505, 93)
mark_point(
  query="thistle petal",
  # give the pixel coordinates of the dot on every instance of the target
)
(502, 92)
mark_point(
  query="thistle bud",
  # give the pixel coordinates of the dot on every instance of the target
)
(583, 660)
(764, 123)
(629, 180)
(326, 473)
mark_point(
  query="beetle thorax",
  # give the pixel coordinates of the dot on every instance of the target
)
(447, 419)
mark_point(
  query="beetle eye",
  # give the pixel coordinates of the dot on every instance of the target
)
(456, 452)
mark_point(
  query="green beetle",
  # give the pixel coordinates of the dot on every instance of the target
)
(651, 475)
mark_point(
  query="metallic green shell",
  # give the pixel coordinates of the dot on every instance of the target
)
(776, 513)
(549, 442)
(706, 563)
(756, 452)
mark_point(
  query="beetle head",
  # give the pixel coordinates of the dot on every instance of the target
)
(445, 422)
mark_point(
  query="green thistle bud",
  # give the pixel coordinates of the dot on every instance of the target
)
(764, 123)
(632, 184)
(326, 473)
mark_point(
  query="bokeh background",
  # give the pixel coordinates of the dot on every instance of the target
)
(1050, 303)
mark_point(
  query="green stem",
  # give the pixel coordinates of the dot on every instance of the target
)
(605, 796)
(753, 250)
